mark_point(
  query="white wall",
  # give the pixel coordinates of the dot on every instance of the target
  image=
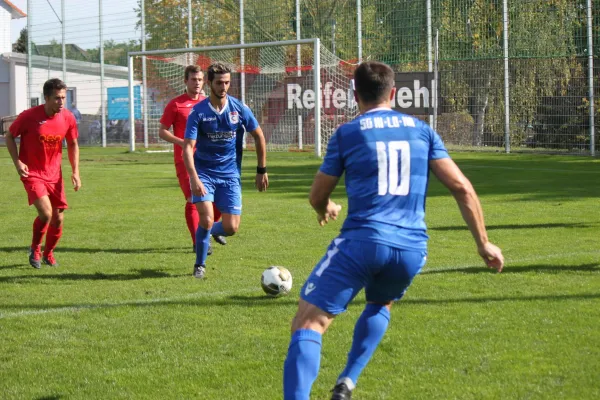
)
(84, 77)
(19, 89)
(87, 87)
(4, 100)
(5, 18)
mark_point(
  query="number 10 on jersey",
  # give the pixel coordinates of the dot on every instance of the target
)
(393, 180)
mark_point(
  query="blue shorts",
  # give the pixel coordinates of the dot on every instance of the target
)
(350, 265)
(226, 193)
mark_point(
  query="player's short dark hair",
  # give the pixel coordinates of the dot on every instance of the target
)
(373, 81)
(191, 69)
(217, 69)
(53, 84)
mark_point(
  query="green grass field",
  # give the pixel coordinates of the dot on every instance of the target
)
(122, 317)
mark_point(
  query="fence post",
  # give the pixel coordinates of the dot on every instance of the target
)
(506, 79)
(359, 29)
(144, 81)
(64, 47)
(590, 40)
(29, 66)
(102, 96)
(298, 72)
(429, 60)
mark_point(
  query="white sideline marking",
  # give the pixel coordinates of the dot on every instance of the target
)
(568, 171)
(86, 307)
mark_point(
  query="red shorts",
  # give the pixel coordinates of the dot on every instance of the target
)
(184, 180)
(37, 188)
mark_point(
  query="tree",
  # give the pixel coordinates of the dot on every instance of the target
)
(114, 53)
(20, 45)
(542, 51)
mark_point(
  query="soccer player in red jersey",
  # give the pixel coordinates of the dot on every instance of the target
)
(38, 163)
(176, 115)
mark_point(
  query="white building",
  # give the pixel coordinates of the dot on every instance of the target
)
(8, 12)
(82, 78)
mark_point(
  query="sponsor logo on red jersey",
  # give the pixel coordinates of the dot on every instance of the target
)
(50, 140)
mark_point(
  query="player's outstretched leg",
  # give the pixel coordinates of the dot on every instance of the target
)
(40, 227)
(301, 366)
(191, 219)
(368, 332)
(202, 244)
(52, 237)
(217, 216)
(35, 251)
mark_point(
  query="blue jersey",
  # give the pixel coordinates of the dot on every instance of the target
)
(217, 134)
(385, 155)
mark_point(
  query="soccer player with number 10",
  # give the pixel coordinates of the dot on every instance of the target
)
(386, 157)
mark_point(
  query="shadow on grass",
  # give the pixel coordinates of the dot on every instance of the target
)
(15, 266)
(515, 226)
(97, 276)
(51, 397)
(590, 267)
(59, 249)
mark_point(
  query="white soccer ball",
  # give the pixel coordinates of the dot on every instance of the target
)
(276, 281)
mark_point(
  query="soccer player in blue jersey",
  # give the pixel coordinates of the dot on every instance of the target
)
(386, 157)
(214, 128)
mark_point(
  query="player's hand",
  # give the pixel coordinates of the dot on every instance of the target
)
(198, 188)
(332, 211)
(22, 169)
(262, 182)
(492, 256)
(179, 142)
(76, 181)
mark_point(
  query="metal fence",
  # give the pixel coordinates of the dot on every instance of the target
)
(514, 75)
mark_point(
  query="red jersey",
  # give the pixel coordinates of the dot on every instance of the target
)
(176, 115)
(41, 140)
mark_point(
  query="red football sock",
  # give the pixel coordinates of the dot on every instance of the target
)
(216, 213)
(39, 229)
(52, 238)
(192, 219)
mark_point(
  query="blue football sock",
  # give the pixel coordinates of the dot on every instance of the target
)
(301, 366)
(202, 243)
(368, 332)
(217, 229)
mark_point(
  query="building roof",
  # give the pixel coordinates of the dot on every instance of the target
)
(15, 11)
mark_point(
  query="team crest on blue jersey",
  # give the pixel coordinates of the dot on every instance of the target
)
(234, 117)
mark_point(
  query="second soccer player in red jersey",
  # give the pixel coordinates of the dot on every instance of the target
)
(176, 115)
(38, 163)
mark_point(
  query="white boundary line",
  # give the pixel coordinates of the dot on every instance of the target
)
(140, 302)
(568, 171)
(134, 302)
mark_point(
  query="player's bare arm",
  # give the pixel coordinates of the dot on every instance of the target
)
(320, 192)
(262, 180)
(188, 159)
(11, 145)
(73, 150)
(166, 135)
(470, 207)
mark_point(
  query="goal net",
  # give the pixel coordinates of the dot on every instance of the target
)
(281, 82)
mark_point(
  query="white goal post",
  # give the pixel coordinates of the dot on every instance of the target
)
(280, 81)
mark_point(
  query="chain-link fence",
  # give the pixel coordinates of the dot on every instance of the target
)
(533, 88)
